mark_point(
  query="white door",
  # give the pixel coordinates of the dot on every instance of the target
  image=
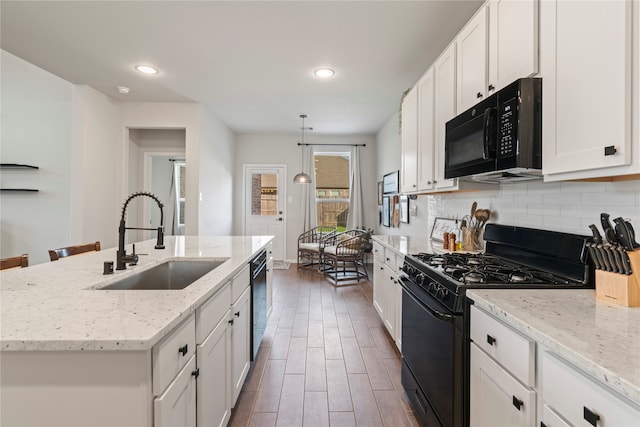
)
(264, 205)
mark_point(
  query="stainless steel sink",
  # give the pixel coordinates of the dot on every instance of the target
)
(166, 276)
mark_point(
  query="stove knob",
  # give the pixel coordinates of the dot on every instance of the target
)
(432, 287)
(421, 278)
(441, 292)
(409, 269)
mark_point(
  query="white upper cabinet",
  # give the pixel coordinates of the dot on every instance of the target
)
(472, 61)
(426, 97)
(513, 41)
(586, 65)
(410, 142)
(497, 46)
(444, 109)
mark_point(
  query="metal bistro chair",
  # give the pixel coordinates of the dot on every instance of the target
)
(56, 254)
(344, 257)
(14, 262)
(311, 247)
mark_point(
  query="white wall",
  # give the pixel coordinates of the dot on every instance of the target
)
(216, 155)
(282, 149)
(563, 206)
(37, 129)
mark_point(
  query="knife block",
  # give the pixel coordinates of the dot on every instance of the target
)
(618, 288)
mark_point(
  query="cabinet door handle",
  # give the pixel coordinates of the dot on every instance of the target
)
(196, 373)
(184, 350)
(231, 322)
(610, 150)
(590, 416)
(491, 87)
(491, 340)
(542, 424)
(517, 403)
(237, 313)
(479, 95)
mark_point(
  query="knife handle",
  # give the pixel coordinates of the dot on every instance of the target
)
(597, 238)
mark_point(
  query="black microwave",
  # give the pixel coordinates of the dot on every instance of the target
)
(500, 138)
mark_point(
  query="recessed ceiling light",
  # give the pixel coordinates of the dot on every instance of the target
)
(324, 72)
(146, 69)
(122, 89)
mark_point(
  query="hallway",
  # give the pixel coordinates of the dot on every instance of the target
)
(325, 360)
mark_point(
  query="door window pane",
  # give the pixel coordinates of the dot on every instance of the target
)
(332, 189)
(264, 194)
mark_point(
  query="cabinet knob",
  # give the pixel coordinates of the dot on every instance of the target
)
(196, 373)
(610, 150)
(491, 87)
(184, 350)
(237, 313)
(491, 340)
(414, 186)
(428, 182)
(231, 322)
(479, 95)
(517, 403)
(590, 416)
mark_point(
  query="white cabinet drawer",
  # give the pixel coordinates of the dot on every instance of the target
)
(551, 419)
(576, 397)
(209, 314)
(390, 259)
(177, 405)
(497, 398)
(239, 283)
(378, 252)
(513, 351)
(171, 354)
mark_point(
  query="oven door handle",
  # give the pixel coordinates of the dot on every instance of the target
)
(435, 313)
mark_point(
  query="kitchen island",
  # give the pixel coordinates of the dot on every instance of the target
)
(74, 354)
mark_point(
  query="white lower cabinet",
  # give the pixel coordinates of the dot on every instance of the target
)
(177, 405)
(240, 342)
(214, 382)
(387, 291)
(580, 400)
(497, 398)
(549, 418)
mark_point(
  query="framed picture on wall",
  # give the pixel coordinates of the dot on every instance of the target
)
(380, 192)
(386, 211)
(404, 209)
(391, 182)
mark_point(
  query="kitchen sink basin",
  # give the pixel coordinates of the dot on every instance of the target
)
(166, 276)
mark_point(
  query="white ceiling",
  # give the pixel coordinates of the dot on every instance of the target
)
(249, 62)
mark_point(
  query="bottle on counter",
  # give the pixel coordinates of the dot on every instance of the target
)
(445, 240)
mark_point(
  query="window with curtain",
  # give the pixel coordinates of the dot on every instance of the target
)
(180, 171)
(332, 189)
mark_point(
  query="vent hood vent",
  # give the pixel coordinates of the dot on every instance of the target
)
(506, 176)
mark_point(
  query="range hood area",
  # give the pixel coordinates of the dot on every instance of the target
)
(506, 176)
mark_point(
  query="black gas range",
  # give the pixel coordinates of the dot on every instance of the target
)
(435, 321)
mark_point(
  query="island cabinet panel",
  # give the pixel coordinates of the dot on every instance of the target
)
(209, 314)
(177, 405)
(172, 354)
(240, 343)
(76, 388)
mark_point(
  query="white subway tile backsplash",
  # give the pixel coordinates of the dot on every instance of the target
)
(544, 210)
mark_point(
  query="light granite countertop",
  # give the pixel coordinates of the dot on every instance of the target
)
(56, 307)
(600, 338)
(404, 244)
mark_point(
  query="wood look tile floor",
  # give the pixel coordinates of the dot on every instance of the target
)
(325, 360)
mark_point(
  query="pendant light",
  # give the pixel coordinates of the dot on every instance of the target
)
(302, 178)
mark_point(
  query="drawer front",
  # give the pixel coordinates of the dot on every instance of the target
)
(209, 314)
(513, 351)
(378, 251)
(580, 400)
(177, 405)
(239, 283)
(390, 259)
(551, 419)
(171, 354)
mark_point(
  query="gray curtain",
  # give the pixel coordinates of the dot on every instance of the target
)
(309, 213)
(355, 218)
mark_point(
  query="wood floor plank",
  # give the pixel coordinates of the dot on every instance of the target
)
(352, 357)
(391, 408)
(376, 369)
(338, 392)
(242, 413)
(364, 402)
(287, 318)
(342, 419)
(300, 325)
(280, 344)
(363, 335)
(257, 369)
(267, 398)
(386, 347)
(332, 344)
(291, 407)
(315, 377)
(316, 409)
(315, 333)
(297, 356)
(344, 325)
(263, 419)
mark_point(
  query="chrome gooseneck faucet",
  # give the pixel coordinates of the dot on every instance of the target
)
(122, 259)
